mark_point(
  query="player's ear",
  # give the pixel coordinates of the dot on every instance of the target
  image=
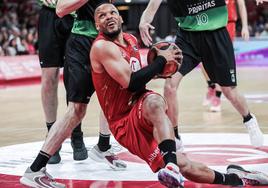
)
(97, 26)
(121, 19)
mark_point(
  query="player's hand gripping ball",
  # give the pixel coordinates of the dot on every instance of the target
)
(171, 67)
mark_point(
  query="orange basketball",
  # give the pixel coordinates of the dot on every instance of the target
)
(170, 68)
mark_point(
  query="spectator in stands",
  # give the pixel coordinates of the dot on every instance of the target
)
(18, 21)
(30, 46)
(11, 49)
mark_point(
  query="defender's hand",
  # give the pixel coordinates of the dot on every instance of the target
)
(145, 33)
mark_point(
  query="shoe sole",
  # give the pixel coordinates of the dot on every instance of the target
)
(28, 183)
(168, 180)
(214, 109)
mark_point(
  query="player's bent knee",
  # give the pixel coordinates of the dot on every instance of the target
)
(78, 110)
(154, 103)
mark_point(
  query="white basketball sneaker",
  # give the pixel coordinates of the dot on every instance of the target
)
(40, 179)
(107, 157)
(255, 134)
(170, 176)
(248, 177)
(209, 96)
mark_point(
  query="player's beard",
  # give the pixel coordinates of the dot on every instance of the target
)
(112, 35)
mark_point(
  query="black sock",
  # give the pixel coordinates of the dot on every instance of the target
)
(168, 150)
(104, 142)
(247, 118)
(78, 129)
(49, 125)
(176, 132)
(211, 84)
(227, 179)
(218, 94)
(40, 161)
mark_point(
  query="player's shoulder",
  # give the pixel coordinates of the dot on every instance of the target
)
(102, 47)
(102, 44)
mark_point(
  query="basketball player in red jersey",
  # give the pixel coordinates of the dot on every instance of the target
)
(232, 18)
(214, 91)
(136, 116)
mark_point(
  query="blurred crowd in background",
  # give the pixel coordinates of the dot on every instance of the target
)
(18, 24)
(18, 21)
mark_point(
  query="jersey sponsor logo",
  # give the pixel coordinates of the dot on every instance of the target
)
(194, 9)
(153, 155)
(135, 64)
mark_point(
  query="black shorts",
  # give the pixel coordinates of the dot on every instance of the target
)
(214, 49)
(53, 33)
(77, 69)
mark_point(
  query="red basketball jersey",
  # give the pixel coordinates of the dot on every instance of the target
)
(231, 6)
(114, 100)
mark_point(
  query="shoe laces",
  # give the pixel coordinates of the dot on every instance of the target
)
(110, 154)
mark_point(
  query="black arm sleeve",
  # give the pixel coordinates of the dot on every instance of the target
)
(140, 78)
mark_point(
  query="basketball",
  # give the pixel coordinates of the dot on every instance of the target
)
(171, 67)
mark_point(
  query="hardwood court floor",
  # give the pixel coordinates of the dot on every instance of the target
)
(22, 119)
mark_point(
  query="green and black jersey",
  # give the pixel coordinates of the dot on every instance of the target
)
(199, 15)
(84, 23)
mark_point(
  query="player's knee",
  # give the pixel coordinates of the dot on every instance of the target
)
(78, 111)
(154, 103)
(49, 84)
(230, 93)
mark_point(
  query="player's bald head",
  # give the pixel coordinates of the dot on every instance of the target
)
(102, 7)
